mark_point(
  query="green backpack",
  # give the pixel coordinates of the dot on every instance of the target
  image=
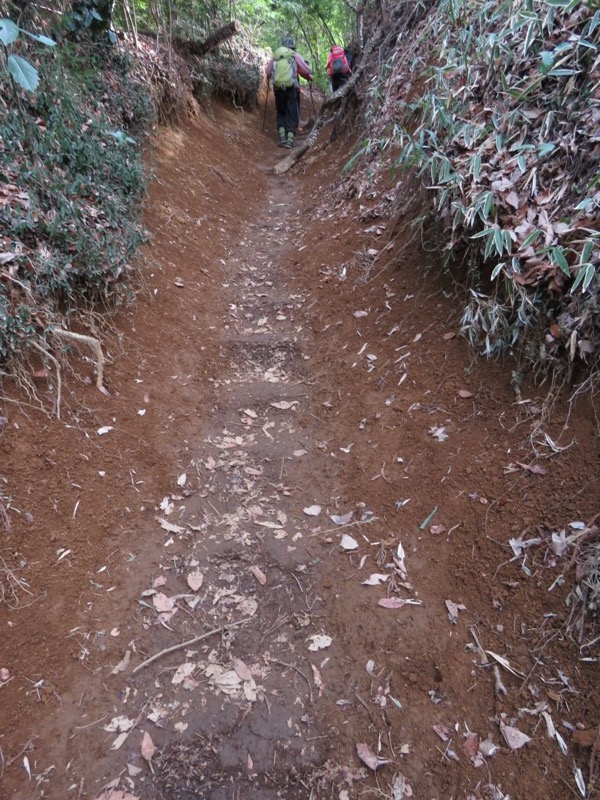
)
(284, 73)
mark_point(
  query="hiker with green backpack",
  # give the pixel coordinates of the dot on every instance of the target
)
(285, 68)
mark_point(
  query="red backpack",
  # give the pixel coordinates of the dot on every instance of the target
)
(338, 63)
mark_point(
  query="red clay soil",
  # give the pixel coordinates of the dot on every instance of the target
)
(303, 464)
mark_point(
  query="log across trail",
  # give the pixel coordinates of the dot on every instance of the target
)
(280, 565)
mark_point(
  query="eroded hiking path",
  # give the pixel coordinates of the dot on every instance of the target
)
(302, 468)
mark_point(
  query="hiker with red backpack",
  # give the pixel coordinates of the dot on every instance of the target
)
(338, 67)
(285, 68)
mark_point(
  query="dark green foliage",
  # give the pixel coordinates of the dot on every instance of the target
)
(93, 16)
(77, 179)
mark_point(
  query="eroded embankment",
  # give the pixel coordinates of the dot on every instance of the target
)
(285, 414)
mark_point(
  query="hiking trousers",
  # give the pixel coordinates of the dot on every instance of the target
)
(337, 81)
(286, 103)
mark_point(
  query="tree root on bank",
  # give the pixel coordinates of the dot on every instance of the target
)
(323, 119)
(95, 346)
(47, 354)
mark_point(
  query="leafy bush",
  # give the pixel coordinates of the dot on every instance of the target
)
(71, 183)
(495, 104)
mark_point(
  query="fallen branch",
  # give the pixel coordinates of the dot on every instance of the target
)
(322, 119)
(95, 346)
(189, 643)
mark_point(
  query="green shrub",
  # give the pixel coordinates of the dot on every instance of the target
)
(495, 108)
(70, 220)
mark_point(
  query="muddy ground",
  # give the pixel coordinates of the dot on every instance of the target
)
(301, 462)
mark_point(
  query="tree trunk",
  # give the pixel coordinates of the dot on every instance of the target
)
(216, 38)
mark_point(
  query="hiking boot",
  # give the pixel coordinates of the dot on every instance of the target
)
(290, 140)
(282, 141)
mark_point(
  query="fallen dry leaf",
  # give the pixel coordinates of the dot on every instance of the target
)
(116, 794)
(437, 529)
(397, 602)
(284, 405)
(536, 469)
(401, 789)
(438, 432)
(312, 511)
(368, 757)
(453, 609)
(169, 527)
(318, 679)
(121, 666)
(120, 740)
(241, 669)
(471, 745)
(319, 641)
(148, 749)
(162, 602)
(375, 579)
(465, 393)
(348, 542)
(119, 724)
(195, 580)
(513, 737)
(449, 335)
(183, 671)
(341, 519)
(443, 732)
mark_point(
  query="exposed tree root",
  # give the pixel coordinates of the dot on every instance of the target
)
(95, 346)
(46, 354)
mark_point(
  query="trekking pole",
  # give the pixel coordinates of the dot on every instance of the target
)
(266, 103)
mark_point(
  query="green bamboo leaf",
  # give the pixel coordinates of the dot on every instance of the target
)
(483, 233)
(23, 73)
(546, 61)
(557, 256)
(586, 252)
(590, 274)
(498, 241)
(578, 279)
(9, 32)
(530, 239)
(497, 270)
(39, 38)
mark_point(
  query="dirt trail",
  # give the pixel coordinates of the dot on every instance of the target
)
(275, 393)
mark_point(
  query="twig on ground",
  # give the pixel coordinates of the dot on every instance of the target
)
(25, 749)
(499, 686)
(188, 643)
(299, 671)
